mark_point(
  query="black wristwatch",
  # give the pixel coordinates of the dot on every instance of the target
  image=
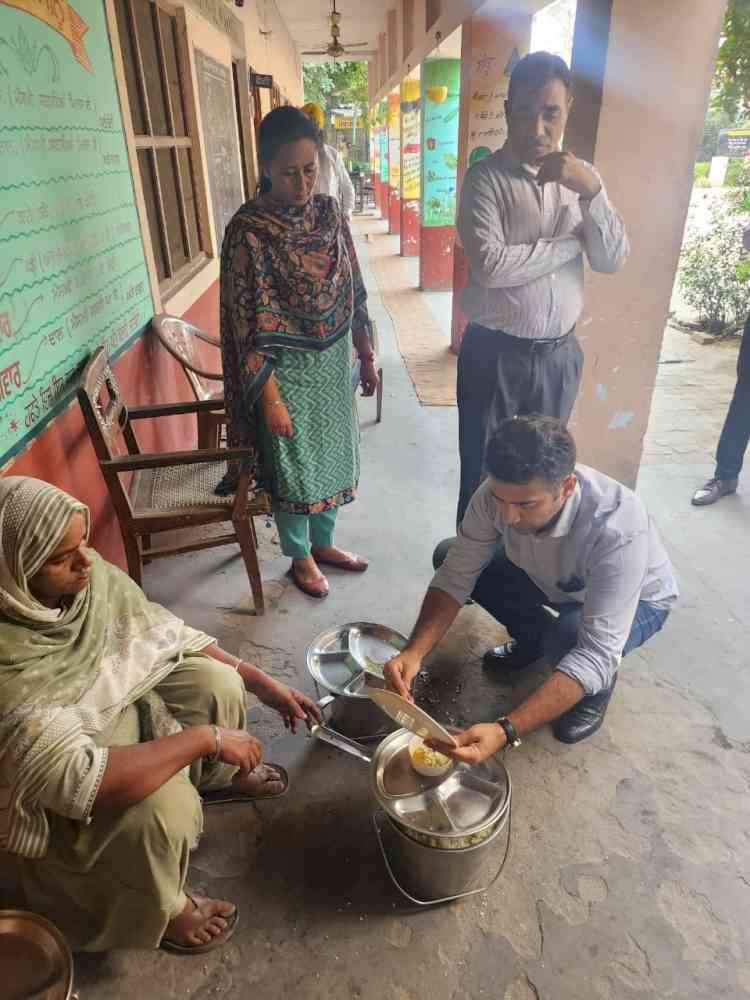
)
(512, 738)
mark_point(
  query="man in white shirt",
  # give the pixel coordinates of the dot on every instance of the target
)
(542, 532)
(333, 178)
(527, 215)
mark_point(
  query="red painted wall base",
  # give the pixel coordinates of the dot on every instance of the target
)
(436, 258)
(394, 212)
(410, 229)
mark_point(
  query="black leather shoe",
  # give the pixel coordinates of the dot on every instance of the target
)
(510, 656)
(583, 719)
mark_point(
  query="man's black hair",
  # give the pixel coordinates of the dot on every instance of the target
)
(536, 70)
(532, 447)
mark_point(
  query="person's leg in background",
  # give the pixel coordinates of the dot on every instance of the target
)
(557, 370)
(294, 536)
(734, 436)
(475, 389)
(322, 528)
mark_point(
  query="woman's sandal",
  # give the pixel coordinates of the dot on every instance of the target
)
(313, 588)
(200, 949)
(224, 795)
(355, 564)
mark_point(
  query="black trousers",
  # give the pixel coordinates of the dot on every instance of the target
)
(736, 432)
(501, 376)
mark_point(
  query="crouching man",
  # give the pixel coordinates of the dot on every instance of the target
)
(544, 533)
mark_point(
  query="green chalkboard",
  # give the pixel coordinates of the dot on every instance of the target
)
(72, 269)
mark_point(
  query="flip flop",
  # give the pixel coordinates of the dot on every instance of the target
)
(224, 795)
(200, 949)
(354, 565)
(313, 588)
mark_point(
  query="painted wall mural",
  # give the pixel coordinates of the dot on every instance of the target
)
(72, 269)
(440, 104)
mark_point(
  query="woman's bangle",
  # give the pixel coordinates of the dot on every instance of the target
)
(277, 402)
(213, 758)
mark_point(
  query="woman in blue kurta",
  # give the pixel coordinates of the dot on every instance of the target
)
(292, 303)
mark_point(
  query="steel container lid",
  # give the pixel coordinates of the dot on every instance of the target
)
(336, 659)
(462, 803)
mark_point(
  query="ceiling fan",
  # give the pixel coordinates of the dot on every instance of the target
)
(334, 48)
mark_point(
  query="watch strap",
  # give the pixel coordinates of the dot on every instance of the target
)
(511, 736)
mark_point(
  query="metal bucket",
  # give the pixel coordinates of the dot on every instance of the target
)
(429, 875)
(35, 959)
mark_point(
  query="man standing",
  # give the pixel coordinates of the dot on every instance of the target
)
(736, 431)
(526, 216)
(333, 178)
(573, 540)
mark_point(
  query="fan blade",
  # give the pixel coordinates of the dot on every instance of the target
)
(355, 45)
(315, 52)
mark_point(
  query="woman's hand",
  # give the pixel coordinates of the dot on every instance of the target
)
(292, 705)
(241, 749)
(368, 377)
(277, 419)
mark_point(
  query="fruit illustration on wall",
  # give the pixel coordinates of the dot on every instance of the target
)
(437, 94)
(431, 143)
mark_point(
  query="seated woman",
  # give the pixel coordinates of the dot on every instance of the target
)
(114, 715)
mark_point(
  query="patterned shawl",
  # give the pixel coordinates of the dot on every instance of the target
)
(66, 674)
(290, 280)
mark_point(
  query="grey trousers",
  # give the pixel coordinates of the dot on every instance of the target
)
(501, 376)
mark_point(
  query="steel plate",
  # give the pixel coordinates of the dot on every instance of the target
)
(459, 804)
(34, 958)
(336, 658)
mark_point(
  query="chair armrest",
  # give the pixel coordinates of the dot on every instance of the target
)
(173, 409)
(127, 463)
(207, 338)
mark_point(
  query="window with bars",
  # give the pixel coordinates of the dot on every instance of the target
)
(156, 72)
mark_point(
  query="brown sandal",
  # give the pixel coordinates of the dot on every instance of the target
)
(355, 564)
(313, 588)
(200, 949)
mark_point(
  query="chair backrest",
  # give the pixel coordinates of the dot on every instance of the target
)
(179, 337)
(106, 418)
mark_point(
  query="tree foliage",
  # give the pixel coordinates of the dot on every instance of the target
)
(336, 84)
(732, 78)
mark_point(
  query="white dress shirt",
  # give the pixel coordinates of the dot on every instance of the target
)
(602, 552)
(525, 244)
(334, 180)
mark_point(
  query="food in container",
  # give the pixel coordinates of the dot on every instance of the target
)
(431, 763)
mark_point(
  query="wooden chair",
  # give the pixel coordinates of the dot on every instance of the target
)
(178, 338)
(170, 490)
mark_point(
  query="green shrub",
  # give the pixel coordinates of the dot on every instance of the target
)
(735, 174)
(714, 272)
(701, 170)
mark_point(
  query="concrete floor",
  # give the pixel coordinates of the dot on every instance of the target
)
(629, 869)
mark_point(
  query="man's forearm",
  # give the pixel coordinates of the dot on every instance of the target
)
(558, 693)
(435, 618)
(134, 772)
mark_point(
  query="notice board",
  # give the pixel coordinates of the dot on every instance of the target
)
(220, 135)
(72, 269)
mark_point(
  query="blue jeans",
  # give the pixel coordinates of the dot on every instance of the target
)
(736, 432)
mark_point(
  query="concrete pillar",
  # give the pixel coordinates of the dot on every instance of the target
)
(441, 82)
(491, 44)
(654, 87)
(411, 165)
(394, 162)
